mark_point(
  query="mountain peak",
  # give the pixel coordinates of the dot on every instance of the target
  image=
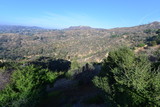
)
(79, 27)
(153, 25)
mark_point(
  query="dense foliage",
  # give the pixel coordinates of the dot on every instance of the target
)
(128, 80)
(27, 87)
(124, 78)
(154, 40)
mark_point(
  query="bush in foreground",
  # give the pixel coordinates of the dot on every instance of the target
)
(27, 87)
(128, 81)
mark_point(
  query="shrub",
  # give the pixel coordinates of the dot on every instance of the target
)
(141, 45)
(127, 80)
(73, 69)
(158, 32)
(114, 36)
(27, 87)
(152, 43)
(148, 31)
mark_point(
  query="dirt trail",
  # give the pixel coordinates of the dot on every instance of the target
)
(145, 48)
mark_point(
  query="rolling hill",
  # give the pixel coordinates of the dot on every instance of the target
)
(82, 43)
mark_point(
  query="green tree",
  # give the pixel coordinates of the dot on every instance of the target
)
(158, 32)
(148, 31)
(153, 43)
(74, 66)
(141, 45)
(127, 80)
(27, 87)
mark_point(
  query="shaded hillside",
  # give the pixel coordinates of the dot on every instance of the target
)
(83, 43)
(122, 79)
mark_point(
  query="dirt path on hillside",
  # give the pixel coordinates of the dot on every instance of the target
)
(141, 49)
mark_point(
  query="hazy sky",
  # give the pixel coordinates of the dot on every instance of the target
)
(65, 13)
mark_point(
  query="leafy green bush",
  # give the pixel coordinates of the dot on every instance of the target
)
(114, 36)
(69, 74)
(158, 32)
(27, 87)
(128, 81)
(148, 31)
(141, 45)
(154, 40)
(74, 66)
(152, 43)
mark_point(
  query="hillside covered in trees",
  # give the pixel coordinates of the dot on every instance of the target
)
(82, 43)
(80, 66)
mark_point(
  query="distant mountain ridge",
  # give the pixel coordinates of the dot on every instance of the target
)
(18, 27)
(153, 25)
(78, 27)
(24, 30)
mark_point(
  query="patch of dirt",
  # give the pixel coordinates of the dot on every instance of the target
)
(141, 49)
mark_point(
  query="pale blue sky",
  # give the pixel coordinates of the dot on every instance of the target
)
(65, 13)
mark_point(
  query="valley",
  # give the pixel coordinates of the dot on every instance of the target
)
(85, 44)
(80, 66)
